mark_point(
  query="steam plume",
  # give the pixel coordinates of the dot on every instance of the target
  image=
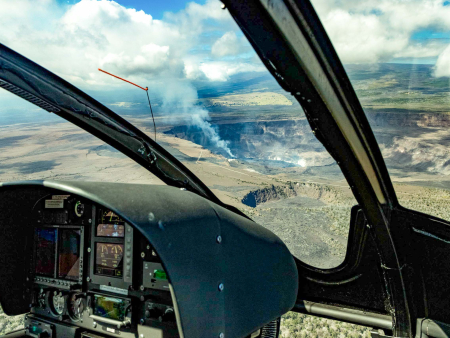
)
(179, 100)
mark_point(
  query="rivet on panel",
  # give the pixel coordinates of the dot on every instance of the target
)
(219, 239)
(221, 287)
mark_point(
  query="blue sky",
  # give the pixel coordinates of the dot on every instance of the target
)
(155, 8)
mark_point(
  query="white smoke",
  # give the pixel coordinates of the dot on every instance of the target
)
(179, 102)
(199, 118)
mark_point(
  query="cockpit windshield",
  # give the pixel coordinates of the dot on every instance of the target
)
(217, 110)
(219, 124)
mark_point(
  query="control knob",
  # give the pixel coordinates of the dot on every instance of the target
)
(169, 315)
(154, 313)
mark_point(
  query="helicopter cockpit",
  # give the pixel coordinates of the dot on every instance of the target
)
(101, 260)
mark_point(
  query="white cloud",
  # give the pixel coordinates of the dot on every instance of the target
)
(221, 71)
(442, 67)
(73, 41)
(152, 60)
(424, 50)
(228, 44)
(214, 71)
(192, 70)
(363, 38)
(367, 31)
(125, 104)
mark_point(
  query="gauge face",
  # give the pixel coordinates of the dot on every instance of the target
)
(57, 303)
(109, 259)
(79, 209)
(104, 249)
(108, 217)
(77, 304)
(117, 250)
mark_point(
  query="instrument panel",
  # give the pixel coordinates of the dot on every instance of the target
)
(93, 271)
(172, 240)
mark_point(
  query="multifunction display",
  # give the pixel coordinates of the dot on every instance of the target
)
(57, 252)
(109, 259)
(111, 230)
(69, 254)
(110, 225)
(108, 307)
(45, 251)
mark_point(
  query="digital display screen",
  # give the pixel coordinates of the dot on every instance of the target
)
(69, 254)
(45, 251)
(111, 230)
(160, 274)
(109, 259)
(108, 307)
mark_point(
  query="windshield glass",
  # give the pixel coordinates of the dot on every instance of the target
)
(216, 107)
(397, 56)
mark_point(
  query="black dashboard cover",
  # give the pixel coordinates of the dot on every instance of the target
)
(258, 273)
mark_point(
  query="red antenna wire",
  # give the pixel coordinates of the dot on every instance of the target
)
(134, 84)
(117, 77)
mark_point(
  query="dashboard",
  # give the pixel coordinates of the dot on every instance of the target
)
(86, 259)
(90, 268)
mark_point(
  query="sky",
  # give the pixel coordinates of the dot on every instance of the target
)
(156, 8)
(171, 45)
(368, 31)
(191, 41)
(177, 39)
